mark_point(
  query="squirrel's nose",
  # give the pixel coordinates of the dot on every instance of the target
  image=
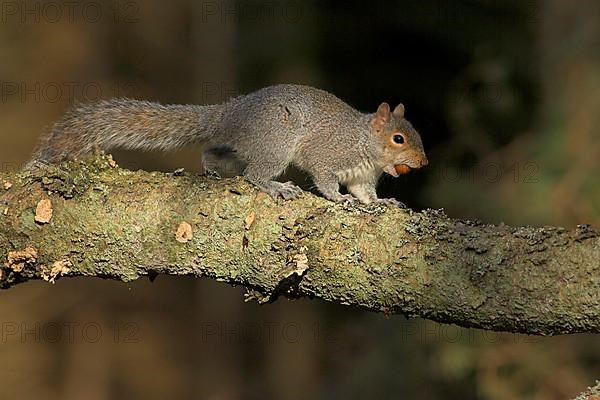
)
(424, 162)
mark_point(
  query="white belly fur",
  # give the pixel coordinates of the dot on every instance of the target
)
(364, 172)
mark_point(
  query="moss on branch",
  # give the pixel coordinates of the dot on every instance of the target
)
(113, 223)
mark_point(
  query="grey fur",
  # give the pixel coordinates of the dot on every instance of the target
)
(267, 130)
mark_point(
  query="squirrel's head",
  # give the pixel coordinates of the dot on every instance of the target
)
(402, 146)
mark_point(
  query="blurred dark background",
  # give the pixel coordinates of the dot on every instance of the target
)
(506, 96)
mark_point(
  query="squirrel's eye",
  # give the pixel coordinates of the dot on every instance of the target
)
(399, 139)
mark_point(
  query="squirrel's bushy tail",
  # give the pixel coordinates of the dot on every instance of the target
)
(126, 124)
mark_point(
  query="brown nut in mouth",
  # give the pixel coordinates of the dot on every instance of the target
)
(402, 169)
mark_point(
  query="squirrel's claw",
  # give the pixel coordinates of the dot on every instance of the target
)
(286, 191)
(212, 174)
(391, 202)
(343, 198)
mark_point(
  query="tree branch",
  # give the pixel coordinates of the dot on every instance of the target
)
(592, 393)
(113, 223)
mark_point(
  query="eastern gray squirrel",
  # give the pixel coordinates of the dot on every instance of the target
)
(267, 130)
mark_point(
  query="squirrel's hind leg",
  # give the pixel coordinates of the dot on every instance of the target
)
(262, 174)
(223, 161)
(328, 184)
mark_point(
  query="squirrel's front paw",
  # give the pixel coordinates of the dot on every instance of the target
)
(343, 198)
(35, 165)
(286, 190)
(391, 202)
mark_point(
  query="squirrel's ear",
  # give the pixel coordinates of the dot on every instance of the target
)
(382, 116)
(399, 111)
(383, 112)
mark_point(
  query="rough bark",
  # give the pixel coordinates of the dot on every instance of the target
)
(113, 223)
(592, 393)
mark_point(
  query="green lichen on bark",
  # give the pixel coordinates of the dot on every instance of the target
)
(592, 393)
(114, 223)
